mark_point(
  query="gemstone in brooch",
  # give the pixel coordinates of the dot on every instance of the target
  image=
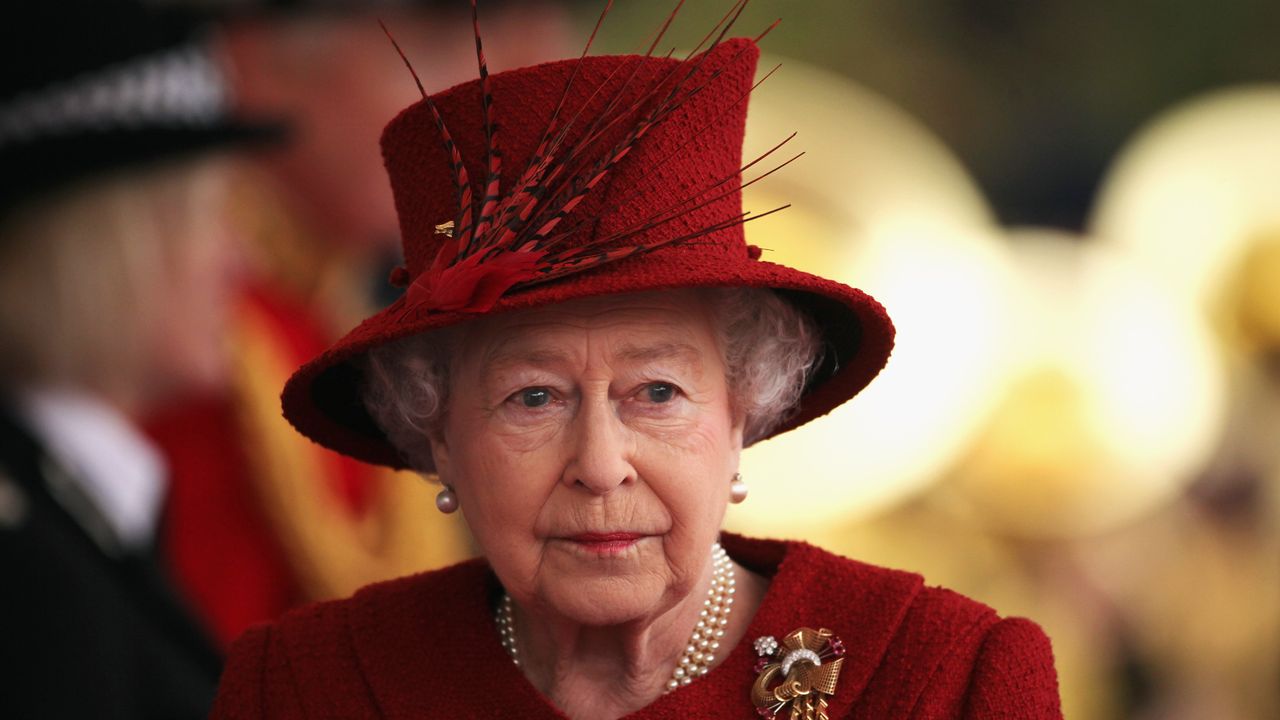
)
(799, 673)
(766, 645)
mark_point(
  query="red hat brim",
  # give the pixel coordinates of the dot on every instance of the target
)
(323, 399)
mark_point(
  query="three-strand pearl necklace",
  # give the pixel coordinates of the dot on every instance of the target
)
(699, 654)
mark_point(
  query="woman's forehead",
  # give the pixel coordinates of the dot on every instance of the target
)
(642, 327)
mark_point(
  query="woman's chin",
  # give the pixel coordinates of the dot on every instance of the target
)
(598, 605)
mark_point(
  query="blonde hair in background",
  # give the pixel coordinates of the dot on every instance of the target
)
(85, 274)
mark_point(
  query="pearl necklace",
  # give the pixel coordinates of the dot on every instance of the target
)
(699, 654)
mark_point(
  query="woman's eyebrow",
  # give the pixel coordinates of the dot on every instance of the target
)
(507, 354)
(503, 355)
(678, 351)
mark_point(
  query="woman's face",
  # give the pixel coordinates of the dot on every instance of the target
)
(591, 445)
(200, 281)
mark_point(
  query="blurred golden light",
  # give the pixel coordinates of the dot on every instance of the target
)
(1248, 307)
(869, 166)
(1196, 187)
(1116, 402)
(881, 205)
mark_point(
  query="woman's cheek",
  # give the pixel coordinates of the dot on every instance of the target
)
(688, 444)
(520, 433)
(505, 487)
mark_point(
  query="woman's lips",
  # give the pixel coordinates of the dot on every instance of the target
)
(605, 543)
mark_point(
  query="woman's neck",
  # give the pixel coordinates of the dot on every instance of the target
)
(608, 672)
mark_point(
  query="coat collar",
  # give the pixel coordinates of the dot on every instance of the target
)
(431, 642)
(108, 460)
(30, 474)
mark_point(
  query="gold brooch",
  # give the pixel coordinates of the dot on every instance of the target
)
(808, 662)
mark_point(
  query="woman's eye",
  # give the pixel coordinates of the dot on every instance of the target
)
(659, 392)
(534, 397)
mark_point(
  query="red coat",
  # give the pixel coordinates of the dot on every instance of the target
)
(426, 646)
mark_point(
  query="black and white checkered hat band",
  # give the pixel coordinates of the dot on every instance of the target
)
(180, 87)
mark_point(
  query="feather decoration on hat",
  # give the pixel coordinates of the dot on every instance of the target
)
(520, 238)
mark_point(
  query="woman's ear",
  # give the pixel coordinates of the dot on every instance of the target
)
(440, 454)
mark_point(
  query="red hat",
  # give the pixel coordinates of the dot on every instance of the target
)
(593, 176)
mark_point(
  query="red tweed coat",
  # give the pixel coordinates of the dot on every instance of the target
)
(426, 646)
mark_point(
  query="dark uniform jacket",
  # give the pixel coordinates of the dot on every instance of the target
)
(87, 629)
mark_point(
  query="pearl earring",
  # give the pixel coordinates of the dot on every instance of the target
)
(737, 489)
(446, 501)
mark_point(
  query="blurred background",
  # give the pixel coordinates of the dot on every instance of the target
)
(1070, 209)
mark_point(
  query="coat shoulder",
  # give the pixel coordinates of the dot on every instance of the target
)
(1014, 675)
(923, 618)
(953, 656)
(936, 653)
(307, 663)
(324, 622)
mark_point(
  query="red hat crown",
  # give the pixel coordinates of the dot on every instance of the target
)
(531, 175)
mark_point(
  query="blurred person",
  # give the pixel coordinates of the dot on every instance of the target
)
(585, 345)
(331, 68)
(264, 519)
(116, 270)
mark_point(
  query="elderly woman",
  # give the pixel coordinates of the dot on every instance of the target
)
(585, 345)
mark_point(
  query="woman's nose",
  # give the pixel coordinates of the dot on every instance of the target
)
(602, 449)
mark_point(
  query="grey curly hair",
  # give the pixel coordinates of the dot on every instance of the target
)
(770, 348)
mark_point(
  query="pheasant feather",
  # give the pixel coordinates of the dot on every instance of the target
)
(531, 233)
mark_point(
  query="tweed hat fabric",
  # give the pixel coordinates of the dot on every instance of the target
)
(88, 87)
(686, 169)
